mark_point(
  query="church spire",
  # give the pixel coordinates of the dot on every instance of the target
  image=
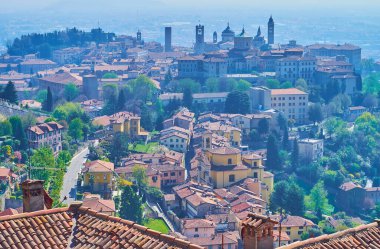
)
(259, 31)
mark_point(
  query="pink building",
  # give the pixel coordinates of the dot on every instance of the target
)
(45, 135)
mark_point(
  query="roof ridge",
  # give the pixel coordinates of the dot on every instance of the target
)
(33, 214)
(330, 236)
(78, 208)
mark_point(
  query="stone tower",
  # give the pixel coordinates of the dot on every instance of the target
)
(199, 34)
(207, 140)
(168, 39)
(270, 31)
(138, 37)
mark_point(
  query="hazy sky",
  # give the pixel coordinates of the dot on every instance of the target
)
(111, 5)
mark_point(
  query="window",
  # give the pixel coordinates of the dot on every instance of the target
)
(165, 174)
(172, 173)
(196, 229)
(229, 161)
(255, 175)
(231, 178)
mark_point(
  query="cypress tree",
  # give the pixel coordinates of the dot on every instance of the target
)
(10, 93)
(121, 100)
(187, 98)
(273, 154)
(48, 103)
(295, 155)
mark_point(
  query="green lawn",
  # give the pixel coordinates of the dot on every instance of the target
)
(157, 224)
(142, 148)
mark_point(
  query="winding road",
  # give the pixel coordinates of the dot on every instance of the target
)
(69, 187)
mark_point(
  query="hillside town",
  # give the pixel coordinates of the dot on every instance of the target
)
(110, 141)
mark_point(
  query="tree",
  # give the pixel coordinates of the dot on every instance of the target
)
(139, 173)
(110, 76)
(295, 155)
(76, 129)
(146, 118)
(10, 93)
(301, 84)
(131, 207)
(168, 79)
(243, 85)
(117, 147)
(159, 122)
(285, 140)
(273, 84)
(282, 121)
(18, 131)
(315, 113)
(237, 102)
(71, 91)
(263, 126)
(121, 100)
(317, 200)
(286, 84)
(273, 153)
(47, 105)
(212, 85)
(45, 50)
(282, 193)
(42, 159)
(5, 128)
(187, 98)
(41, 96)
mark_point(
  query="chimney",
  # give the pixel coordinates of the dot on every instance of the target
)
(35, 197)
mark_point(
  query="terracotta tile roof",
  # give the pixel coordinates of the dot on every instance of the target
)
(347, 186)
(80, 227)
(9, 211)
(225, 151)
(361, 237)
(286, 91)
(293, 221)
(46, 127)
(98, 166)
(228, 238)
(99, 205)
(197, 223)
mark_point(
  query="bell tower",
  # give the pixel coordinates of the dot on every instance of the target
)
(270, 31)
(207, 140)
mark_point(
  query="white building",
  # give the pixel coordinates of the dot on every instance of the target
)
(175, 141)
(292, 102)
(310, 149)
(294, 68)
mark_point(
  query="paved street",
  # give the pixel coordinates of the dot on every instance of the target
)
(71, 176)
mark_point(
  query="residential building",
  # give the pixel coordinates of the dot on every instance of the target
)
(293, 68)
(45, 135)
(292, 102)
(92, 107)
(176, 141)
(198, 228)
(352, 52)
(231, 133)
(202, 67)
(227, 240)
(70, 55)
(224, 222)
(35, 65)
(128, 123)
(183, 119)
(260, 98)
(95, 202)
(58, 81)
(294, 226)
(98, 177)
(310, 150)
(355, 111)
(164, 169)
(350, 197)
(209, 101)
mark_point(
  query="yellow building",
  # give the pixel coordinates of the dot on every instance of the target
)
(98, 175)
(128, 123)
(293, 226)
(229, 166)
